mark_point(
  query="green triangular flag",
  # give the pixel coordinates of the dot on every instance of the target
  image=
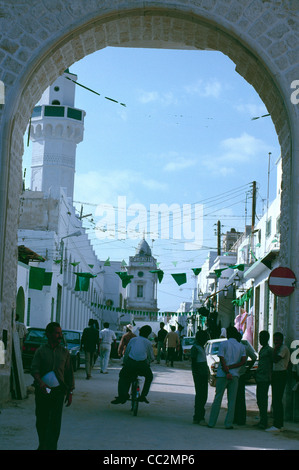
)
(57, 261)
(107, 262)
(196, 271)
(218, 272)
(82, 281)
(240, 267)
(180, 278)
(75, 263)
(123, 263)
(36, 278)
(125, 278)
(159, 272)
(48, 279)
(91, 265)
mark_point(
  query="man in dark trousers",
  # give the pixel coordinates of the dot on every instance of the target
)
(263, 377)
(90, 344)
(138, 356)
(281, 357)
(160, 342)
(54, 382)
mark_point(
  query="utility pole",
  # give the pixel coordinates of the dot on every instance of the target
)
(253, 206)
(218, 238)
(253, 212)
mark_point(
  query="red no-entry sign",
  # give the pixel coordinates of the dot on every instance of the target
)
(282, 281)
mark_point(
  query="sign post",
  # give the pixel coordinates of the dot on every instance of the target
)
(282, 281)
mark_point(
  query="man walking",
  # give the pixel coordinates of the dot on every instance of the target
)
(90, 344)
(125, 340)
(160, 344)
(281, 357)
(232, 356)
(54, 382)
(172, 342)
(107, 337)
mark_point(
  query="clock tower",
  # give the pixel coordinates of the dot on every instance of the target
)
(142, 290)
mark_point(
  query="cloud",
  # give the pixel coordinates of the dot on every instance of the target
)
(251, 109)
(164, 99)
(148, 96)
(97, 188)
(155, 185)
(205, 89)
(105, 188)
(234, 152)
(242, 149)
(180, 163)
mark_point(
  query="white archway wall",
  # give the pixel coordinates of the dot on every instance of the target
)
(41, 39)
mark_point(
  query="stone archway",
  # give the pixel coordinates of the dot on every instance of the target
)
(41, 39)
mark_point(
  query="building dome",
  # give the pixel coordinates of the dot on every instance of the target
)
(143, 249)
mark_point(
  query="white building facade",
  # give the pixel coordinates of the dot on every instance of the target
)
(50, 226)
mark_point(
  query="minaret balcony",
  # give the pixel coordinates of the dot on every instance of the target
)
(57, 112)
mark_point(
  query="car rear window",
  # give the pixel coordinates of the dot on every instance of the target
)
(72, 337)
(38, 336)
(189, 341)
(215, 347)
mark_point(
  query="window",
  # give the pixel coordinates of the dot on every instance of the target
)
(139, 291)
(37, 111)
(268, 227)
(278, 225)
(54, 111)
(74, 114)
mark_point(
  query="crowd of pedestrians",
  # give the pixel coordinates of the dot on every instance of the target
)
(54, 379)
(234, 358)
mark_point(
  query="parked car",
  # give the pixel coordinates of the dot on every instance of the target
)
(34, 339)
(72, 341)
(187, 344)
(37, 336)
(212, 348)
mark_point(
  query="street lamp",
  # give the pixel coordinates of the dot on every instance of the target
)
(75, 234)
(237, 280)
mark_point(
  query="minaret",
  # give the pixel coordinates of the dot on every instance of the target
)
(56, 129)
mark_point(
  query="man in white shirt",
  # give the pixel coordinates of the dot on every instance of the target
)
(138, 356)
(232, 356)
(106, 336)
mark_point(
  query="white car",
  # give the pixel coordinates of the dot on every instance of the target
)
(187, 344)
(211, 350)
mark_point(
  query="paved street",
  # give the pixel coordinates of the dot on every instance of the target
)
(92, 423)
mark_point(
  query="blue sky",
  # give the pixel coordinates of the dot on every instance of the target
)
(185, 136)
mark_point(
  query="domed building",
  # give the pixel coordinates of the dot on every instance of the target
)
(141, 295)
